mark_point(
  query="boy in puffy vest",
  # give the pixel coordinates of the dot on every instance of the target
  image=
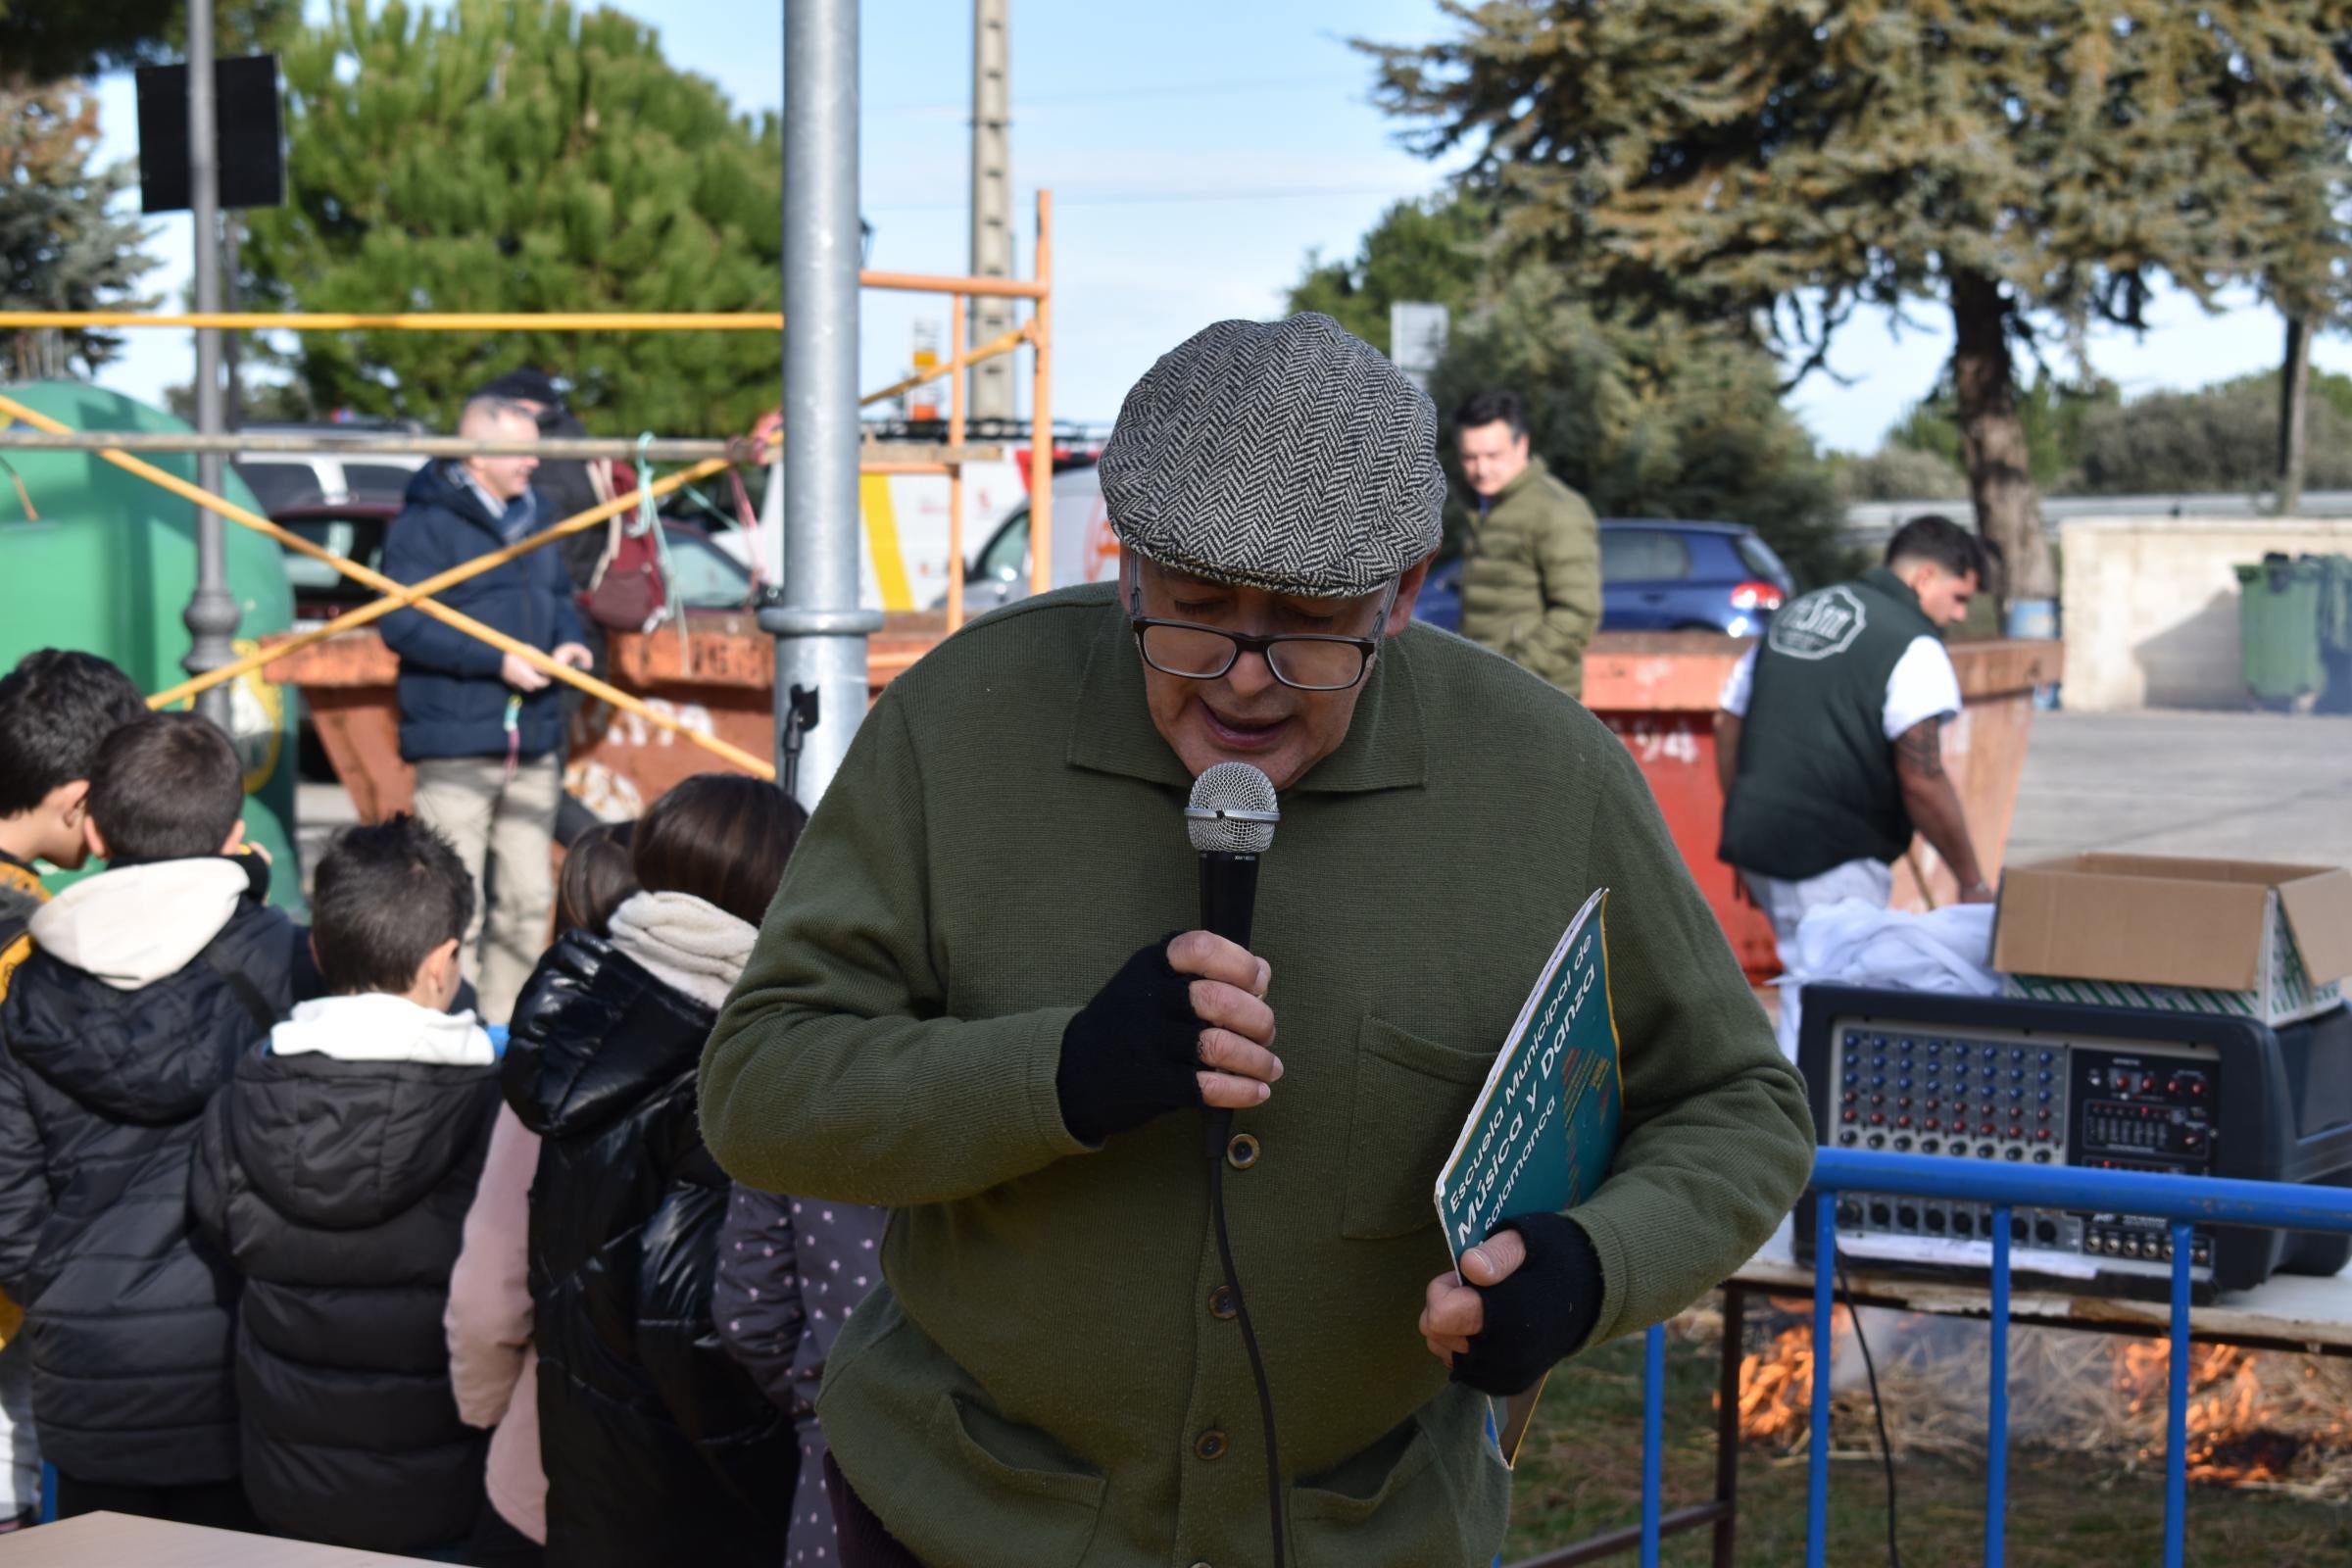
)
(333, 1172)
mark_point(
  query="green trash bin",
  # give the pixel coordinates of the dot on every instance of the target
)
(2279, 629)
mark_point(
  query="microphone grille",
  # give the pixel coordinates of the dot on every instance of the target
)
(1233, 809)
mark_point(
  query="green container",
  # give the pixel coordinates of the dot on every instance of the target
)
(2279, 629)
(108, 564)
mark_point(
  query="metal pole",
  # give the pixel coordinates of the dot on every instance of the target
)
(992, 194)
(212, 615)
(956, 309)
(232, 300)
(1041, 407)
(819, 629)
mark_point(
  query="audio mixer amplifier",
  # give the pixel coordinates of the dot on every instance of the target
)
(2051, 1084)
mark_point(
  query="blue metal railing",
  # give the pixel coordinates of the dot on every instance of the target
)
(2182, 1201)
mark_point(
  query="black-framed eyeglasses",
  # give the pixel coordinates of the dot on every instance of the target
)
(1307, 661)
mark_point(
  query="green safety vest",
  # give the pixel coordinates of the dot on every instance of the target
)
(1816, 785)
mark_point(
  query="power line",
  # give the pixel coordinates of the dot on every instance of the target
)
(1063, 198)
(1205, 90)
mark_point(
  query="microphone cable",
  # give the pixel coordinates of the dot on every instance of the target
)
(1219, 1124)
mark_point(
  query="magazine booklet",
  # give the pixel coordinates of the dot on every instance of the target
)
(1543, 1132)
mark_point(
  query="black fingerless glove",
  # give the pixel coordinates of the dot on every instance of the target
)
(1541, 1315)
(1132, 1052)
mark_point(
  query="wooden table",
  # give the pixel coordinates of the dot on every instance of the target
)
(120, 1541)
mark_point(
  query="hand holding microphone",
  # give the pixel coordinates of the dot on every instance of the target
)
(1185, 1023)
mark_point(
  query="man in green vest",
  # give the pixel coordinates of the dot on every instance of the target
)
(964, 1005)
(1531, 567)
(1830, 740)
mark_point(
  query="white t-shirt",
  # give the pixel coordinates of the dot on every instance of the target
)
(1924, 686)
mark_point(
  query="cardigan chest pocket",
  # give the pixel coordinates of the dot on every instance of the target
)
(1411, 1097)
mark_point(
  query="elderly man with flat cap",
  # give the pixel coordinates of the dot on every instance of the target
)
(965, 1005)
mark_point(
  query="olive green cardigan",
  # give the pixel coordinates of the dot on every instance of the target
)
(1045, 1378)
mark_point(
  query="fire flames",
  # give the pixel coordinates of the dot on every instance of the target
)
(1775, 1385)
(2257, 1419)
(2239, 1429)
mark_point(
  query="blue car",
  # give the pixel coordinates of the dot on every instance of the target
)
(1689, 576)
(1657, 575)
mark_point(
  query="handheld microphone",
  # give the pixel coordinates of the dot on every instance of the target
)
(1231, 823)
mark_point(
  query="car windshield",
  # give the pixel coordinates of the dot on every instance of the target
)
(1759, 559)
(1007, 557)
(706, 577)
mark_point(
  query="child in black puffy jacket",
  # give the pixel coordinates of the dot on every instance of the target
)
(334, 1172)
(657, 1448)
(144, 985)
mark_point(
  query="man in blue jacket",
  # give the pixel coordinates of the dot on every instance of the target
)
(485, 729)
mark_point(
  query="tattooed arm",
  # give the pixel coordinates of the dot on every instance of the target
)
(1934, 805)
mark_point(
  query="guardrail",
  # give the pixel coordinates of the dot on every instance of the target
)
(2183, 1201)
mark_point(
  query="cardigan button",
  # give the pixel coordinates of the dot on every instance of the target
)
(1242, 1152)
(1221, 1303)
(1210, 1445)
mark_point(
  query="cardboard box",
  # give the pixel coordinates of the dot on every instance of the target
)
(2237, 937)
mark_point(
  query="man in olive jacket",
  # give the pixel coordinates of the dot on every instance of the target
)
(1531, 565)
(964, 1005)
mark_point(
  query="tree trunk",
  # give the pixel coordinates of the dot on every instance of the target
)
(1993, 441)
(2294, 414)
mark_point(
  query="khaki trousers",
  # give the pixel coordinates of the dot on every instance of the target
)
(507, 827)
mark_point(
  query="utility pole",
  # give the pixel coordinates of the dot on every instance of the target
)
(992, 199)
(212, 615)
(819, 629)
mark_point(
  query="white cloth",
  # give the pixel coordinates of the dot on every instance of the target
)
(376, 1027)
(1857, 942)
(686, 943)
(1924, 685)
(1784, 903)
(132, 926)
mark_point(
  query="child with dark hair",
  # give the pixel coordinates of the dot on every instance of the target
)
(145, 984)
(55, 707)
(657, 1448)
(333, 1172)
(597, 877)
(492, 1364)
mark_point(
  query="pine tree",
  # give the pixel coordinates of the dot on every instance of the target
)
(61, 248)
(48, 40)
(511, 155)
(2020, 162)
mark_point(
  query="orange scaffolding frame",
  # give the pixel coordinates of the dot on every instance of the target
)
(1037, 333)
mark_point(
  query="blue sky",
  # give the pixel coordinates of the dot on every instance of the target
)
(1198, 153)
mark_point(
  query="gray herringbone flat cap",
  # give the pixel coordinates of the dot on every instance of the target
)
(1289, 455)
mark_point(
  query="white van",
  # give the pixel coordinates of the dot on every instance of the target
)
(905, 561)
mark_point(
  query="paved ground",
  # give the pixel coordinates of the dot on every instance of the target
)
(2244, 786)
